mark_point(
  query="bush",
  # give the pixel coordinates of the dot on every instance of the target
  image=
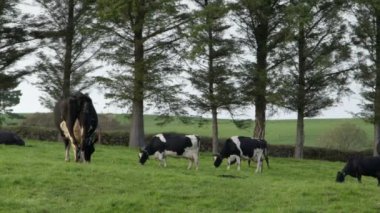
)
(107, 122)
(346, 137)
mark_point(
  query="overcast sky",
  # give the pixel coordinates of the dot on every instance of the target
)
(29, 102)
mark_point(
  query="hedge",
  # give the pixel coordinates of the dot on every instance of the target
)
(121, 138)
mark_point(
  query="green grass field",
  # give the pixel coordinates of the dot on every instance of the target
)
(277, 132)
(35, 178)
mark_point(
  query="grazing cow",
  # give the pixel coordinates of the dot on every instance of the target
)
(10, 138)
(358, 166)
(237, 147)
(163, 145)
(76, 119)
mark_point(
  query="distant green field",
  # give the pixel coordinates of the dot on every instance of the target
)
(35, 178)
(277, 132)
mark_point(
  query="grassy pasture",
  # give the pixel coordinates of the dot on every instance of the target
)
(35, 178)
(277, 132)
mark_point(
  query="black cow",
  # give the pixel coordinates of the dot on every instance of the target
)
(10, 138)
(237, 147)
(76, 119)
(163, 145)
(358, 166)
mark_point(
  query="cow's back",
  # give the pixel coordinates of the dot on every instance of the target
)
(177, 143)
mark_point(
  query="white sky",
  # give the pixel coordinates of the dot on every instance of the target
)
(29, 102)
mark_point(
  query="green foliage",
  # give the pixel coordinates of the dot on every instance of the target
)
(35, 178)
(262, 35)
(365, 37)
(8, 99)
(211, 53)
(14, 39)
(345, 137)
(141, 42)
(77, 39)
(316, 75)
(14, 45)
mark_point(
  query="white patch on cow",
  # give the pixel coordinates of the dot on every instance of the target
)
(161, 137)
(232, 158)
(192, 153)
(170, 153)
(236, 140)
(140, 155)
(161, 157)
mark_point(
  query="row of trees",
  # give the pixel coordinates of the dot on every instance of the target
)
(293, 54)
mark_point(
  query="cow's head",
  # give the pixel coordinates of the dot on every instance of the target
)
(143, 156)
(217, 160)
(340, 177)
(89, 147)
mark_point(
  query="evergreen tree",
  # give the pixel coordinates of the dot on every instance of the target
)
(70, 46)
(261, 24)
(211, 53)
(14, 45)
(142, 37)
(367, 38)
(316, 75)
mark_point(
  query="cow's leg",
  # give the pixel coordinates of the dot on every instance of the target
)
(196, 161)
(359, 177)
(76, 150)
(229, 160)
(238, 163)
(161, 158)
(190, 163)
(259, 164)
(67, 149)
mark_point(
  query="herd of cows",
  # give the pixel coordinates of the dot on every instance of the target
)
(77, 120)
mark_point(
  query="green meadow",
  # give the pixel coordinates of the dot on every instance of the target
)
(277, 131)
(35, 178)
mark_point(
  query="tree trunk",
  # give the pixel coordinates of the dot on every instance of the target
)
(260, 79)
(215, 144)
(69, 36)
(300, 138)
(298, 153)
(377, 88)
(211, 83)
(136, 137)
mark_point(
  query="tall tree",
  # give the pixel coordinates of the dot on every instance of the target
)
(142, 37)
(367, 39)
(70, 47)
(14, 45)
(316, 76)
(261, 22)
(211, 53)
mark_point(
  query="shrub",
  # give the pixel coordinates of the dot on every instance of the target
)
(345, 137)
(107, 122)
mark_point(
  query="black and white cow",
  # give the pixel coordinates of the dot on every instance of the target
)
(10, 138)
(358, 166)
(77, 120)
(238, 147)
(163, 145)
